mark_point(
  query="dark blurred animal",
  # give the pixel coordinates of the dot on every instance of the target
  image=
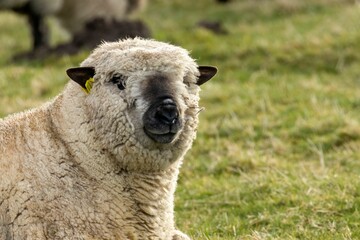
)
(73, 15)
(214, 26)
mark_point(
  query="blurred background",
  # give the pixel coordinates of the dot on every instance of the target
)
(278, 149)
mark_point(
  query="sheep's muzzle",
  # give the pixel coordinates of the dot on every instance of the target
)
(162, 121)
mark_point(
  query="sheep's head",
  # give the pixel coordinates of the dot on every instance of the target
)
(143, 94)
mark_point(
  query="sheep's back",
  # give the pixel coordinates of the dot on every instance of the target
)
(75, 14)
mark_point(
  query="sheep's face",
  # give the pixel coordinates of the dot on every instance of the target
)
(162, 97)
(149, 111)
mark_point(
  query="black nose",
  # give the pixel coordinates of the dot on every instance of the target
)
(162, 121)
(167, 112)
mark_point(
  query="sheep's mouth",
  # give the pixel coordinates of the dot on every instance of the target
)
(161, 137)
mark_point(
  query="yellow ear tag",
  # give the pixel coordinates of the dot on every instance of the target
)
(88, 85)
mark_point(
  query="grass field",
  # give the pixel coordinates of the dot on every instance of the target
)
(278, 150)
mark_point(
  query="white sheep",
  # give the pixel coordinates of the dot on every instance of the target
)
(103, 162)
(73, 15)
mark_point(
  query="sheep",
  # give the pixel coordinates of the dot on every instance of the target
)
(73, 15)
(101, 160)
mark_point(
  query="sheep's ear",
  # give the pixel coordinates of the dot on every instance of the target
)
(81, 75)
(206, 73)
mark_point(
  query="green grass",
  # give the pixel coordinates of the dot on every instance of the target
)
(278, 150)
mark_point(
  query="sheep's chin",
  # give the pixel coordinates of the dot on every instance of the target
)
(161, 138)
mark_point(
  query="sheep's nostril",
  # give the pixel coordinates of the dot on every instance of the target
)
(167, 113)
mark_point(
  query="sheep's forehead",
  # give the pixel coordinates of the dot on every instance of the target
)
(141, 55)
(135, 60)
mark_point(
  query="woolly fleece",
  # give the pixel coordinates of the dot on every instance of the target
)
(81, 166)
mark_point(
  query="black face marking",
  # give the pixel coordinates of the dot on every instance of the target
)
(119, 81)
(158, 86)
(162, 120)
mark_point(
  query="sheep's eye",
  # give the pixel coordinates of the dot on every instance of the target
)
(120, 81)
